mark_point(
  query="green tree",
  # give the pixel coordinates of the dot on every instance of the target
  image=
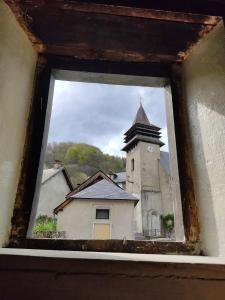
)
(82, 154)
(82, 160)
(168, 223)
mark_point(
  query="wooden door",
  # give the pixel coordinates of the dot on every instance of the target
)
(101, 232)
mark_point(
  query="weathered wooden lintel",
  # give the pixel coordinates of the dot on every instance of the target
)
(25, 10)
(119, 10)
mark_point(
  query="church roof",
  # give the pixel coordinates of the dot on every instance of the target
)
(98, 186)
(142, 130)
(141, 117)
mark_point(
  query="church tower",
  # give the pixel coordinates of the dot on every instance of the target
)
(143, 173)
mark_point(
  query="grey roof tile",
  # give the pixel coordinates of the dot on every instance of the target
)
(118, 177)
(48, 173)
(141, 116)
(104, 190)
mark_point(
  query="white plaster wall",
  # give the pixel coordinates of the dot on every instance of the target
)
(174, 175)
(78, 217)
(166, 191)
(204, 90)
(52, 193)
(17, 67)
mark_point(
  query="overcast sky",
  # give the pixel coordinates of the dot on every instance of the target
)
(99, 114)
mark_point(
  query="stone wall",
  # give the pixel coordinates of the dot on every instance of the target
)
(204, 92)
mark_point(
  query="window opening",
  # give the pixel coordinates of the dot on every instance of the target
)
(132, 164)
(102, 214)
(95, 128)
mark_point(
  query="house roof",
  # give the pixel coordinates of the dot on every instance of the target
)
(118, 177)
(104, 189)
(50, 173)
(98, 186)
(99, 175)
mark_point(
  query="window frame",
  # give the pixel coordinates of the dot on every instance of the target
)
(34, 144)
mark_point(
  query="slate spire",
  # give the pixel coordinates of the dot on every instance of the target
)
(142, 130)
(141, 117)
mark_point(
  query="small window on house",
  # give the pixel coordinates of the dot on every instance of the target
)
(102, 214)
(132, 164)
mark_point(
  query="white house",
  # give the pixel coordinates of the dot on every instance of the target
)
(54, 186)
(97, 209)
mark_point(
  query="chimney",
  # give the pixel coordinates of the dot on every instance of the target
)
(57, 164)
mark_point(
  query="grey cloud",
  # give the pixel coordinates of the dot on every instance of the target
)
(97, 114)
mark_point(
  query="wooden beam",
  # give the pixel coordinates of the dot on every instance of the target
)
(122, 11)
(182, 55)
(202, 7)
(84, 51)
(142, 69)
(146, 40)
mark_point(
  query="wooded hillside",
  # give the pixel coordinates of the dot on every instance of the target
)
(82, 160)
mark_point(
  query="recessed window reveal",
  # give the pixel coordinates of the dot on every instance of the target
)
(108, 146)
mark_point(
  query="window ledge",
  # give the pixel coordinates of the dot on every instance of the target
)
(115, 256)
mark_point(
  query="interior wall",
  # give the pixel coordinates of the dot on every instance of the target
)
(17, 68)
(204, 92)
(89, 279)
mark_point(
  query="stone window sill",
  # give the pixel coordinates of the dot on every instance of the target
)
(115, 256)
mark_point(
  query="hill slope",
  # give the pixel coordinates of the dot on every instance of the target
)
(82, 160)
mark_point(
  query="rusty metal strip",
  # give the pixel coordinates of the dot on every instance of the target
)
(189, 202)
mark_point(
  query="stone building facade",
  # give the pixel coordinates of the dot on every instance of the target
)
(55, 185)
(148, 176)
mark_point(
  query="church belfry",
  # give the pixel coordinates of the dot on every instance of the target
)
(142, 130)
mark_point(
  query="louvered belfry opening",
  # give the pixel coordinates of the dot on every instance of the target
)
(142, 130)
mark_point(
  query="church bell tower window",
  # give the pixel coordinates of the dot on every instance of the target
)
(132, 164)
